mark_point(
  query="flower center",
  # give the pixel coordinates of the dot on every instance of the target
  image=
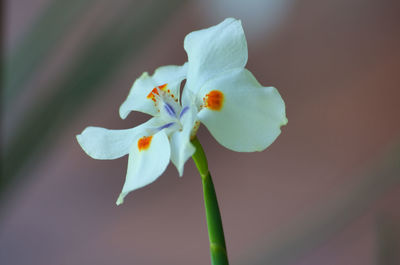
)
(169, 108)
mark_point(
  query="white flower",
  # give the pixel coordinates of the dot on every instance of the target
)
(219, 92)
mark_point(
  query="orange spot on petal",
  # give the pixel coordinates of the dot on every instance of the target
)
(214, 100)
(152, 93)
(144, 143)
(162, 87)
(155, 92)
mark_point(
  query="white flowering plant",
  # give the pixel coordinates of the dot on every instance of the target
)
(219, 92)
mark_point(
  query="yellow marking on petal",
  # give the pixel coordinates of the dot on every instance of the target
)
(154, 92)
(144, 143)
(214, 100)
(194, 130)
(162, 87)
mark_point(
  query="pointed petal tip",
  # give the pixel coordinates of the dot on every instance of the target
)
(285, 122)
(231, 19)
(79, 139)
(120, 199)
(122, 113)
(180, 171)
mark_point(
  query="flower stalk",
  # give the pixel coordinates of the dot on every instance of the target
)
(214, 223)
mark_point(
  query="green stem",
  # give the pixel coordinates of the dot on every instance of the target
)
(214, 223)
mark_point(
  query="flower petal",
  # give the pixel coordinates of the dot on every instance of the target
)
(240, 113)
(213, 51)
(101, 143)
(138, 98)
(148, 159)
(181, 147)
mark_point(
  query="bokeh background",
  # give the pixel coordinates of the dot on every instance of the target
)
(326, 192)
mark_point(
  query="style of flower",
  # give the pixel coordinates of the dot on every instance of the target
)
(219, 92)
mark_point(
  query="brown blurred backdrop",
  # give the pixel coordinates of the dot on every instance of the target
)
(326, 192)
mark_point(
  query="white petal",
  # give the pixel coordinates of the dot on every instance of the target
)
(213, 51)
(181, 147)
(250, 116)
(146, 165)
(189, 97)
(101, 143)
(137, 99)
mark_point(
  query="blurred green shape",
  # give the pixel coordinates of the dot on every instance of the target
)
(99, 59)
(216, 235)
(42, 38)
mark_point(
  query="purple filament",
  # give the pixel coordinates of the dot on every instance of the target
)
(170, 110)
(165, 126)
(184, 110)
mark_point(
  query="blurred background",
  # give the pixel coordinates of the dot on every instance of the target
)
(326, 192)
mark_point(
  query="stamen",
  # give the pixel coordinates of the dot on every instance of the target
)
(165, 126)
(184, 110)
(170, 110)
(154, 92)
(162, 87)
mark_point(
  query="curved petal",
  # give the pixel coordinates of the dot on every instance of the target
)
(181, 147)
(101, 143)
(240, 113)
(148, 159)
(213, 51)
(138, 99)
